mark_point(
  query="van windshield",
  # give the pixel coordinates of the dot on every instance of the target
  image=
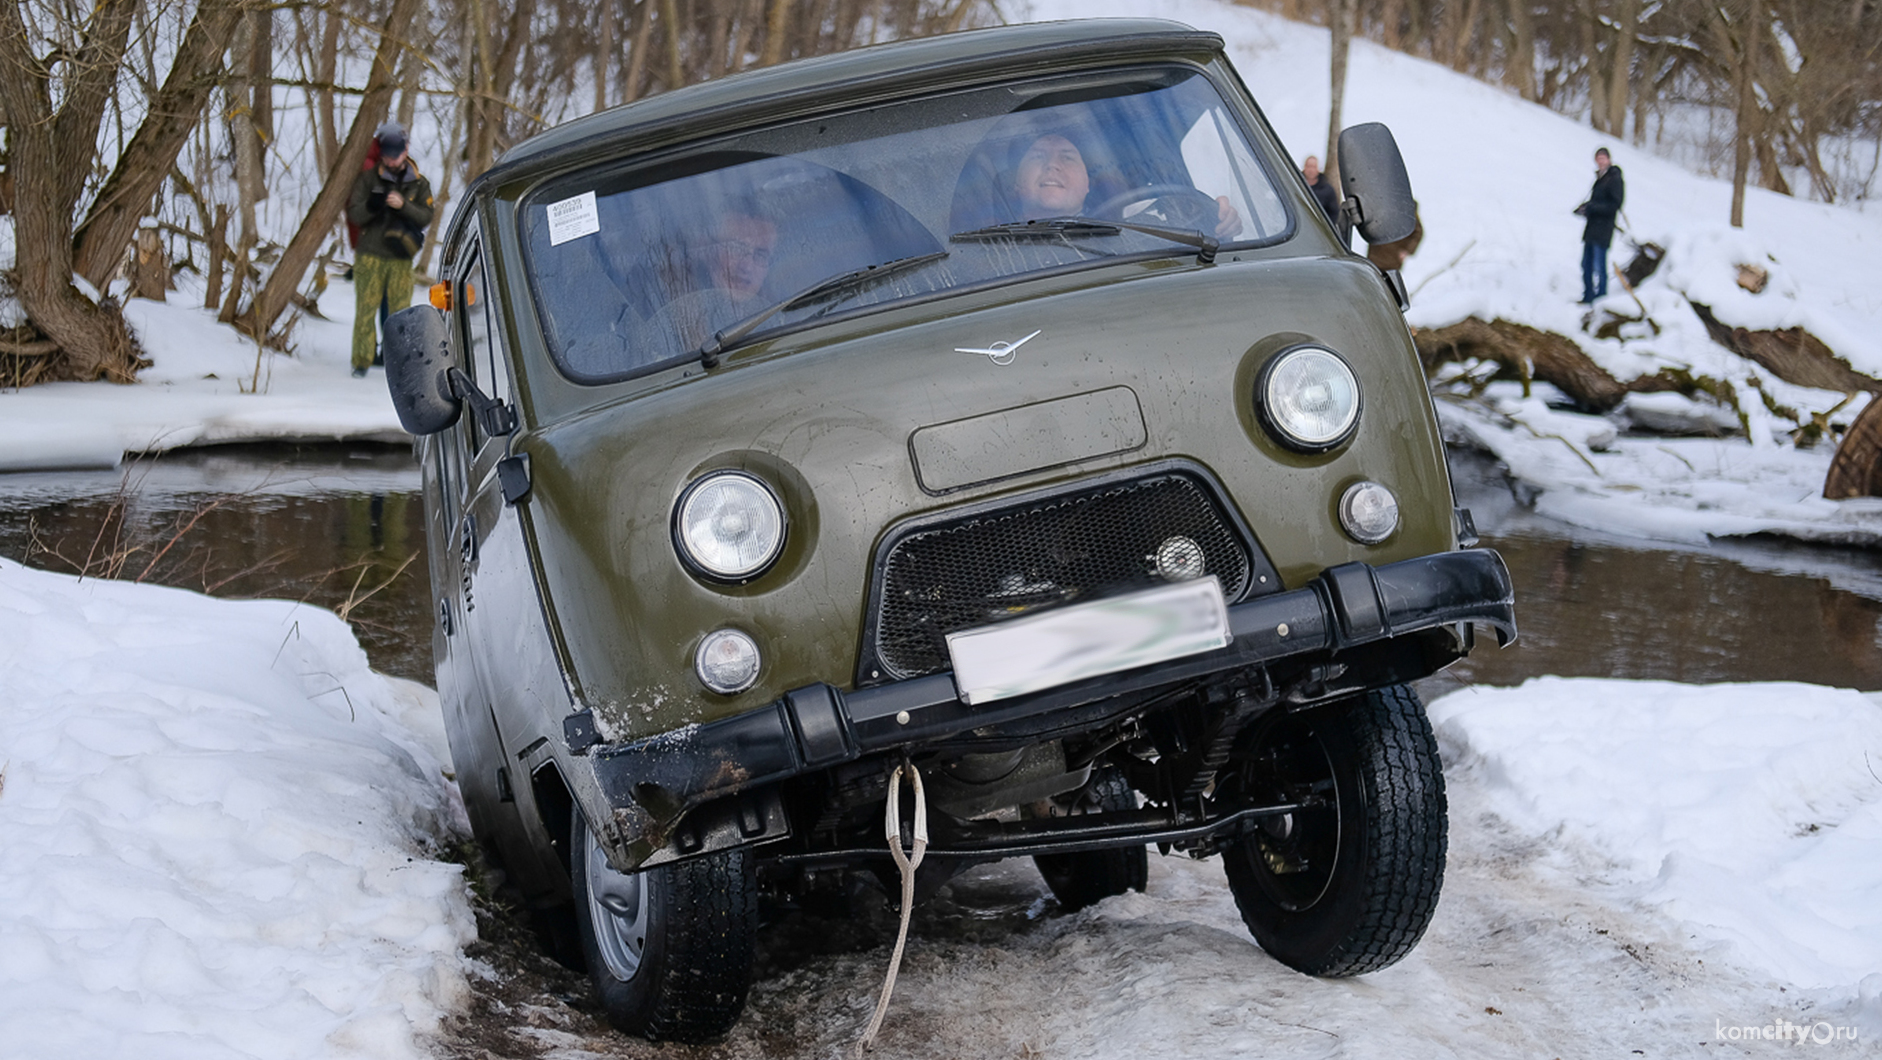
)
(636, 267)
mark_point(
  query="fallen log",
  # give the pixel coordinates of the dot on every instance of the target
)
(1792, 354)
(1856, 470)
(1525, 353)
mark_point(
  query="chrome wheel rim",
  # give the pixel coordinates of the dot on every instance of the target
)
(617, 907)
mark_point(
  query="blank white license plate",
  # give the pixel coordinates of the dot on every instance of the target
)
(1085, 640)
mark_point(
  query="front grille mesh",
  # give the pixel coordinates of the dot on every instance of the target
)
(1057, 551)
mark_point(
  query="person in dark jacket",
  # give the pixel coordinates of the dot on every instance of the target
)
(1604, 201)
(1322, 187)
(391, 203)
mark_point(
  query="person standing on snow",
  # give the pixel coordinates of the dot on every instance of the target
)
(1604, 201)
(1323, 190)
(391, 203)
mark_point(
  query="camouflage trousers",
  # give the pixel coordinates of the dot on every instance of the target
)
(381, 287)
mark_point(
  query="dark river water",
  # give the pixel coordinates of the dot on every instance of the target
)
(338, 526)
(342, 527)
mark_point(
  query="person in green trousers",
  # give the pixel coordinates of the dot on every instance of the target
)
(391, 203)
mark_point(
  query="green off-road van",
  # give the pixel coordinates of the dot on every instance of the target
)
(996, 417)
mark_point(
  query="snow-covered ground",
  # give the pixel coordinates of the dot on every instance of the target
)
(207, 385)
(219, 836)
(220, 832)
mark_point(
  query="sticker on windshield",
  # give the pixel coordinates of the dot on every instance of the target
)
(573, 219)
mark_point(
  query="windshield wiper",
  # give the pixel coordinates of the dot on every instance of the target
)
(1055, 227)
(726, 338)
(1049, 228)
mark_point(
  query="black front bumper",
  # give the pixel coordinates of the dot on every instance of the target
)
(818, 726)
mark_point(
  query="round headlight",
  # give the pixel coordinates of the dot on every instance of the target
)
(1368, 512)
(727, 661)
(729, 525)
(1309, 399)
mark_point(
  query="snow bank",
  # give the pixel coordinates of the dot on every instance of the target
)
(207, 385)
(1749, 814)
(1672, 489)
(216, 832)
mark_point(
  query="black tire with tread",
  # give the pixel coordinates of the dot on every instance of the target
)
(696, 969)
(1391, 831)
(1089, 877)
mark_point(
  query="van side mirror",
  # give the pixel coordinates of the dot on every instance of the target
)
(1373, 178)
(417, 347)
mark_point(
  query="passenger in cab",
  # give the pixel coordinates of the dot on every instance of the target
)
(732, 264)
(1051, 179)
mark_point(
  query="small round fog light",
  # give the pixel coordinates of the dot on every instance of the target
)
(1368, 512)
(727, 661)
(1180, 559)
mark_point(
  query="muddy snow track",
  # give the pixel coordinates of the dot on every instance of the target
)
(1530, 955)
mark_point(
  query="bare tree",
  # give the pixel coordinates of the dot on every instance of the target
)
(51, 155)
(125, 197)
(285, 279)
(1340, 19)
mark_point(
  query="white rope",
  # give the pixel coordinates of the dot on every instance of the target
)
(892, 829)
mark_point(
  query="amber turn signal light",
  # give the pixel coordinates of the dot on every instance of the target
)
(441, 296)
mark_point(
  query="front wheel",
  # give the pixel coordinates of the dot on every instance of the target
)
(1347, 885)
(669, 950)
(1082, 879)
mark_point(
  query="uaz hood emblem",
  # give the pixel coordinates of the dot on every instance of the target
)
(999, 352)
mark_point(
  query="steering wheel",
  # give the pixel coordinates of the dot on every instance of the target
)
(1175, 205)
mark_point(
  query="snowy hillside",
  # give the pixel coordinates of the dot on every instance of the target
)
(1496, 180)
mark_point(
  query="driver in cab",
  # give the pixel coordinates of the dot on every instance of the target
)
(1052, 180)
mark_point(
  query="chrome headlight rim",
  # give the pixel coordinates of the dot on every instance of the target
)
(727, 575)
(731, 634)
(1272, 421)
(1382, 498)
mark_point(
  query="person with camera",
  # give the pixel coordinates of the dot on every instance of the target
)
(391, 203)
(1604, 202)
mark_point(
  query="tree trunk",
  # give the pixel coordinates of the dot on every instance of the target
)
(749, 19)
(1340, 15)
(1391, 13)
(261, 82)
(1591, 34)
(637, 52)
(604, 53)
(1521, 73)
(442, 193)
(480, 135)
(326, 68)
(1748, 122)
(777, 27)
(50, 155)
(1620, 74)
(218, 250)
(125, 198)
(718, 37)
(320, 218)
(1462, 26)
(411, 71)
(150, 267)
(670, 27)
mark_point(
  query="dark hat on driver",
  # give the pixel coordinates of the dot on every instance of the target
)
(391, 137)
